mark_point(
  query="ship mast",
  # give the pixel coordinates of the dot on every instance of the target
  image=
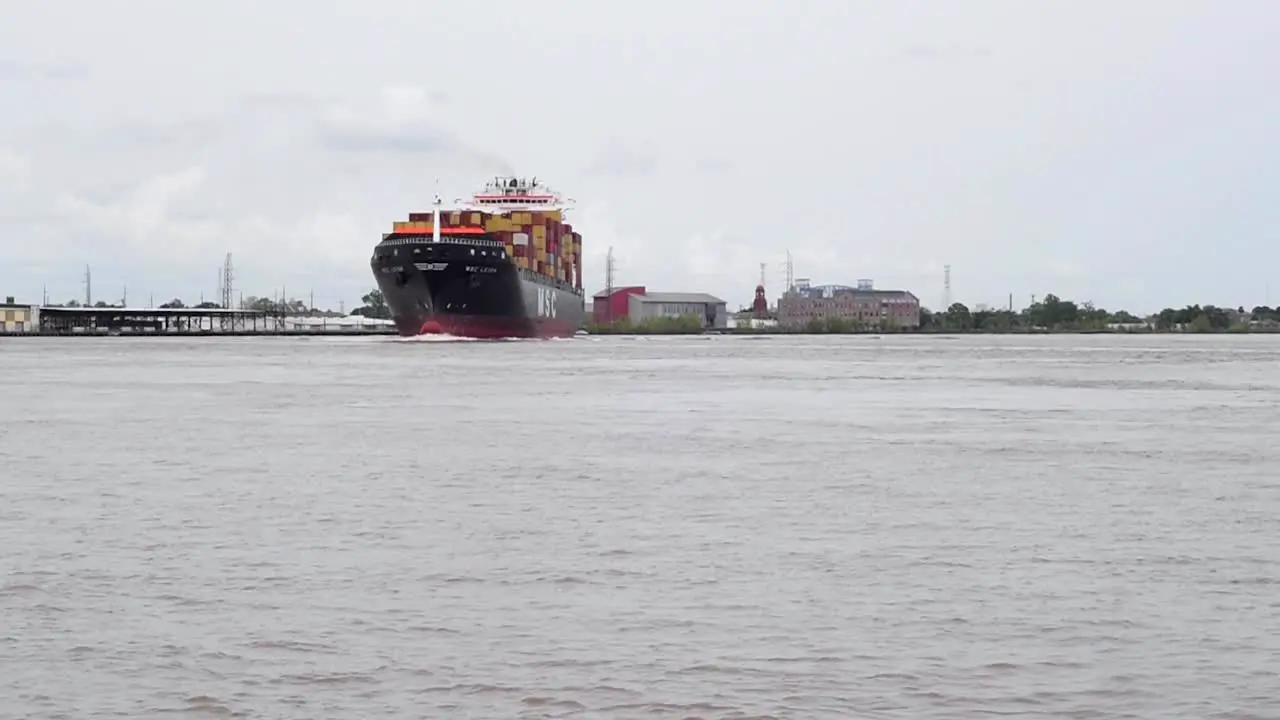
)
(435, 215)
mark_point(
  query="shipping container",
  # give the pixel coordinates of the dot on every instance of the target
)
(420, 217)
(522, 218)
(520, 238)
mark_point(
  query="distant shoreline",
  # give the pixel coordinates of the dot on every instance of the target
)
(309, 332)
(637, 332)
(932, 332)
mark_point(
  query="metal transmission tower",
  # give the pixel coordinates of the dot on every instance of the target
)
(226, 283)
(791, 274)
(608, 285)
(946, 288)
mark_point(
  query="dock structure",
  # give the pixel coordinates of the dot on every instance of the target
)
(189, 321)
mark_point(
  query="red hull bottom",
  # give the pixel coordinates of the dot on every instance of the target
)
(491, 328)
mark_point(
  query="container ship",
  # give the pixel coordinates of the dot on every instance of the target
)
(503, 265)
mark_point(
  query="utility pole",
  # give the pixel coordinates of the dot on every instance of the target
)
(608, 285)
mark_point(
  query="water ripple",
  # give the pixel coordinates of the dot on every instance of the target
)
(901, 527)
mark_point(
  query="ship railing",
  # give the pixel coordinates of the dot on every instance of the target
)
(415, 239)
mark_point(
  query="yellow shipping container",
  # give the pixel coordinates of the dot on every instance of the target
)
(540, 231)
(554, 215)
(522, 218)
(476, 219)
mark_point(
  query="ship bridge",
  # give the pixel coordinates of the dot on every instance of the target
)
(507, 193)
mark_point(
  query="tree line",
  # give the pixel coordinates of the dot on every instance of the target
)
(1054, 313)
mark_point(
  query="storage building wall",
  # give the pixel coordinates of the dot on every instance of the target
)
(614, 306)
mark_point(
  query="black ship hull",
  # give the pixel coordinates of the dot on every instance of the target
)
(467, 286)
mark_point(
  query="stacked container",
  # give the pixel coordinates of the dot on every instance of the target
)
(539, 241)
(521, 243)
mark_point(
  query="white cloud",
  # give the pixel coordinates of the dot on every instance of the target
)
(1031, 147)
(12, 164)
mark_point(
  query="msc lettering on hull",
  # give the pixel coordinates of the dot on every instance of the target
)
(546, 302)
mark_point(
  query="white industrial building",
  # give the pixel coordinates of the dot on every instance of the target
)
(710, 309)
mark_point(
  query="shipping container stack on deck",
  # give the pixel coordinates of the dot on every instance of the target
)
(537, 241)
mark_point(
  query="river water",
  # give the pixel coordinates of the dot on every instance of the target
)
(816, 527)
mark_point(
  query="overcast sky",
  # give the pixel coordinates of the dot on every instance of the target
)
(1123, 152)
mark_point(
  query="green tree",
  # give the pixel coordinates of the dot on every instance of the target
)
(375, 306)
(959, 317)
(1053, 313)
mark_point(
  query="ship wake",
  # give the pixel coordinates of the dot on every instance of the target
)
(446, 338)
